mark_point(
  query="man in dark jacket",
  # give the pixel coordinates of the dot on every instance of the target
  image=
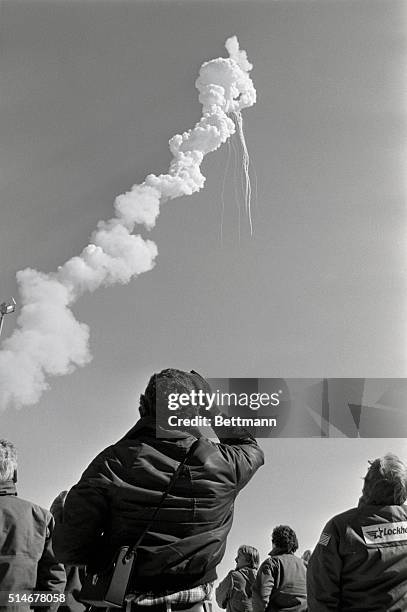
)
(27, 561)
(121, 488)
(235, 591)
(281, 580)
(360, 561)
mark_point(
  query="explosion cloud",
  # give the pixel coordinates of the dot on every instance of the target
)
(48, 340)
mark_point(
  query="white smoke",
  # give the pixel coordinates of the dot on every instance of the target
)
(48, 340)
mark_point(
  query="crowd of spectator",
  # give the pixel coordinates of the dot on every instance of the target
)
(183, 487)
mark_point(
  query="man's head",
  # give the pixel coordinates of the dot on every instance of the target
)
(8, 461)
(57, 506)
(385, 482)
(171, 382)
(247, 556)
(284, 539)
(306, 555)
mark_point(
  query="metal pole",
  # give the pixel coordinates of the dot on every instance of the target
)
(6, 308)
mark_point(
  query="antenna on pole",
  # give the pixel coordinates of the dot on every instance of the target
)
(6, 308)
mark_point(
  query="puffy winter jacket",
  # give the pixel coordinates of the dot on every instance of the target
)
(27, 561)
(119, 491)
(360, 562)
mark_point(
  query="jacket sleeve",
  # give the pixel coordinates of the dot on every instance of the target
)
(324, 572)
(241, 450)
(51, 575)
(264, 585)
(224, 590)
(85, 517)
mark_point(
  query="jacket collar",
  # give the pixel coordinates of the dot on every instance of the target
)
(8, 488)
(278, 551)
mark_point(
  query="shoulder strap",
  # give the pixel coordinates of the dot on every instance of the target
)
(164, 495)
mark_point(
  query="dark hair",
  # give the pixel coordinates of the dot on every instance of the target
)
(251, 554)
(385, 482)
(171, 381)
(284, 538)
(57, 506)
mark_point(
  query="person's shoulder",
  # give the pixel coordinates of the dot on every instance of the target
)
(338, 523)
(240, 577)
(110, 450)
(390, 513)
(400, 511)
(37, 511)
(248, 574)
(234, 573)
(242, 571)
(268, 563)
(107, 454)
(344, 517)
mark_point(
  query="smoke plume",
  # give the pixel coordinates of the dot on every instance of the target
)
(48, 340)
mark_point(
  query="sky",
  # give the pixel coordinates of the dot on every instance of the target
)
(91, 93)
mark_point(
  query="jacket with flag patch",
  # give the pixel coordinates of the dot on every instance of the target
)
(360, 562)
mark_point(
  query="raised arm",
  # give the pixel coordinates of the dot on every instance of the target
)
(241, 450)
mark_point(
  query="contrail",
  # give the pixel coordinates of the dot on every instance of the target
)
(48, 340)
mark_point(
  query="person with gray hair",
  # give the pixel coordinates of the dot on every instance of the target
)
(360, 561)
(27, 561)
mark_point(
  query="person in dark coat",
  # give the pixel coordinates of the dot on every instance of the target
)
(281, 580)
(119, 491)
(360, 561)
(27, 560)
(235, 591)
(74, 575)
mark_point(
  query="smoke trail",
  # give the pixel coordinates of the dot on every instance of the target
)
(247, 188)
(48, 340)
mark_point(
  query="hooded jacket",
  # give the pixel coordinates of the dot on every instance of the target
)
(280, 584)
(360, 562)
(27, 561)
(235, 591)
(121, 488)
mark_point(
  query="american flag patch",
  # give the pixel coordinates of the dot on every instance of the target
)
(324, 539)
